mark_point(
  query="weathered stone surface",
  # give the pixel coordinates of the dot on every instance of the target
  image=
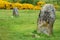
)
(46, 19)
(15, 12)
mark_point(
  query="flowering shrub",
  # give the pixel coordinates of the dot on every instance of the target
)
(5, 4)
(57, 7)
(18, 5)
(40, 3)
(37, 8)
(2, 4)
(8, 5)
(27, 6)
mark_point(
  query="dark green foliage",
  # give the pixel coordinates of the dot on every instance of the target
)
(29, 1)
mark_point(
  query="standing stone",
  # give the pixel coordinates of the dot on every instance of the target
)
(46, 19)
(15, 12)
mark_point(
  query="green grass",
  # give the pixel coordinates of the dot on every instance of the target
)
(20, 28)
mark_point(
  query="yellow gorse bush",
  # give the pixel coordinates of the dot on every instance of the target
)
(56, 6)
(18, 5)
(40, 3)
(27, 6)
(37, 8)
(9, 5)
(5, 4)
(2, 4)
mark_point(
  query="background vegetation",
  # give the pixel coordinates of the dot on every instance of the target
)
(28, 4)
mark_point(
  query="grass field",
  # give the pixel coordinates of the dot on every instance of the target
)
(20, 28)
